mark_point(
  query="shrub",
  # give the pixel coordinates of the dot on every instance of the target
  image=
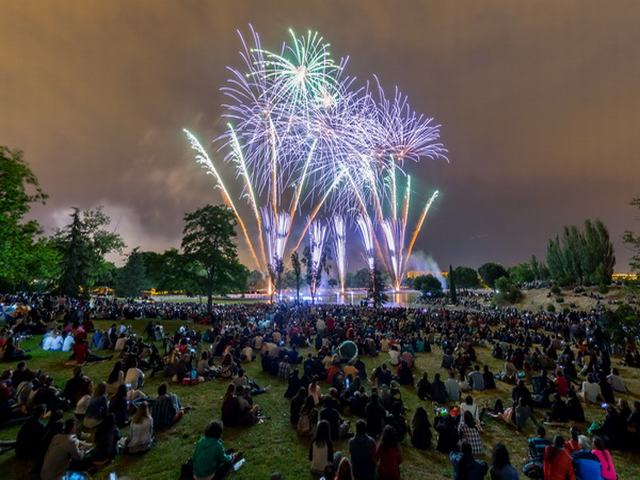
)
(551, 308)
(603, 289)
(559, 299)
(556, 290)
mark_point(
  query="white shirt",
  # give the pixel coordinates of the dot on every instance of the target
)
(591, 391)
(394, 355)
(68, 343)
(134, 377)
(81, 406)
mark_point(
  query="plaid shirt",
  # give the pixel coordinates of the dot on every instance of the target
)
(472, 437)
(284, 370)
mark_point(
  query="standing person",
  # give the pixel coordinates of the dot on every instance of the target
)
(388, 455)
(210, 460)
(421, 429)
(362, 449)
(607, 468)
(465, 467)
(557, 462)
(141, 430)
(321, 448)
(501, 468)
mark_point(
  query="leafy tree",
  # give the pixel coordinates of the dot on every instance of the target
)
(296, 268)
(622, 324)
(490, 272)
(132, 278)
(507, 291)
(452, 286)
(522, 273)
(634, 242)
(359, 279)
(313, 275)
(376, 292)
(207, 241)
(19, 249)
(83, 244)
(332, 282)
(428, 285)
(275, 274)
(466, 277)
(581, 257)
(256, 280)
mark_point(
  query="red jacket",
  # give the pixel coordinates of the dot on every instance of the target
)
(560, 467)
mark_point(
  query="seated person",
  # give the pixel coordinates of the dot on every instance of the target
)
(106, 441)
(537, 444)
(64, 448)
(616, 381)
(30, 434)
(166, 409)
(591, 392)
(210, 460)
(140, 430)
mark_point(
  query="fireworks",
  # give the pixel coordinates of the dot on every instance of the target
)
(339, 231)
(303, 137)
(317, 235)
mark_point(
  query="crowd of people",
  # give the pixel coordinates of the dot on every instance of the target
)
(554, 364)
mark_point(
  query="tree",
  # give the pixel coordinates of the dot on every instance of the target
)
(83, 244)
(453, 295)
(313, 273)
(507, 291)
(490, 272)
(581, 257)
(634, 242)
(207, 241)
(376, 292)
(132, 278)
(522, 273)
(256, 280)
(20, 250)
(429, 285)
(275, 274)
(359, 279)
(466, 277)
(296, 267)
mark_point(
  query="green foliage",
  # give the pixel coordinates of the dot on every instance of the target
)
(551, 308)
(581, 257)
(559, 299)
(466, 277)
(507, 291)
(83, 244)
(522, 273)
(296, 268)
(132, 279)
(453, 295)
(207, 241)
(376, 293)
(428, 285)
(20, 251)
(490, 272)
(603, 289)
(555, 290)
(622, 324)
(359, 279)
(633, 242)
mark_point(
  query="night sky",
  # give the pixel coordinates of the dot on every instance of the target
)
(539, 102)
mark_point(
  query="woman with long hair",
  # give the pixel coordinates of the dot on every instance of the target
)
(98, 407)
(388, 455)
(501, 468)
(140, 430)
(607, 468)
(469, 433)
(557, 462)
(421, 429)
(344, 470)
(115, 379)
(106, 441)
(308, 417)
(321, 448)
(119, 406)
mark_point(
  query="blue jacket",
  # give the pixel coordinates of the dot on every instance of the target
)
(586, 465)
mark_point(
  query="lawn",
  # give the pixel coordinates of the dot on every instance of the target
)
(273, 445)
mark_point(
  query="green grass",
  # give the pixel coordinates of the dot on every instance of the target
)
(274, 444)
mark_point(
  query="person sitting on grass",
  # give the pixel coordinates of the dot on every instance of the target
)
(210, 459)
(106, 441)
(465, 466)
(140, 431)
(166, 409)
(98, 407)
(64, 449)
(501, 468)
(362, 449)
(421, 429)
(30, 433)
(557, 462)
(537, 445)
(469, 433)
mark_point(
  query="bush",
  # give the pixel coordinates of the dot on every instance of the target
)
(559, 299)
(603, 289)
(551, 308)
(507, 291)
(556, 290)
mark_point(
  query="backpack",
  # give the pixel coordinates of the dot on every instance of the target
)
(533, 469)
